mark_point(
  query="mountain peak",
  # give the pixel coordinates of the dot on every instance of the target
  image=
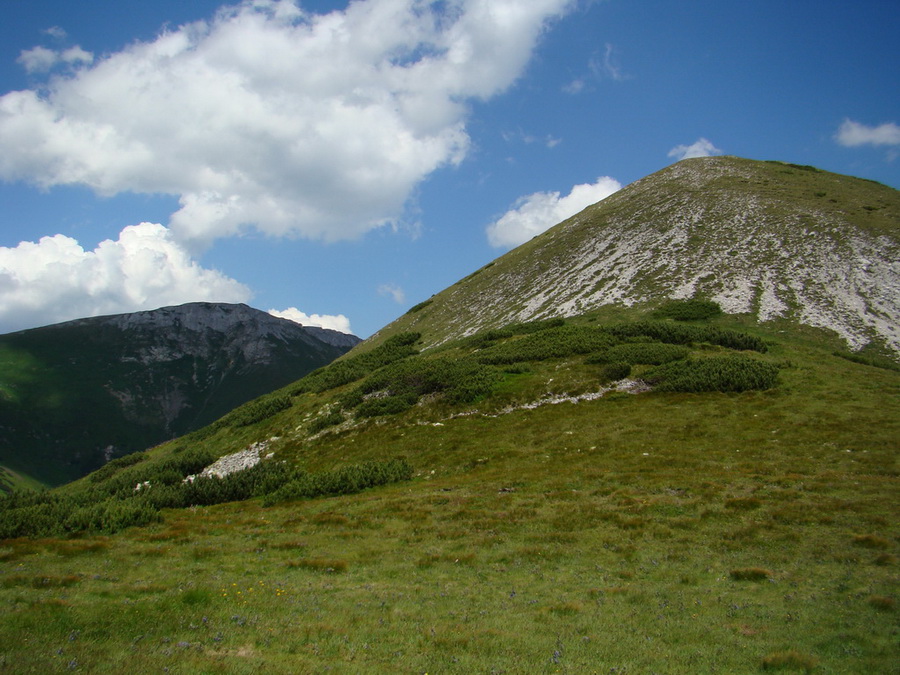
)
(770, 239)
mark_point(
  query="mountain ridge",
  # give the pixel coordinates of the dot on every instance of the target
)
(151, 375)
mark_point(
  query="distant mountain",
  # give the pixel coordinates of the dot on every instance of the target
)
(775, 240)
(76, 394)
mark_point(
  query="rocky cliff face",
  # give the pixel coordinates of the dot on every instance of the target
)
(765, 238)
(75, 394)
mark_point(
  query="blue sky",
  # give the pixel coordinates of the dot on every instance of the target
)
(339, 162)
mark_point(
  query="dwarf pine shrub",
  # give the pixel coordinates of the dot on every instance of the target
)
(549, 343)
(488, 337)
(689, 310)
(346, 480)
(648, 353)
(355, 368)
(615, 371)
(674, 333)
(322, 422)
(114, 465)
(418, 308)
(397, 387)
(257, 411)
(392, 404)
(732, 373)
(53, 514)
(163, 472)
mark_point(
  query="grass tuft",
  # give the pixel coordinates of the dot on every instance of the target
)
(751, 574)
(790, 660)
(882, 603)
(743, 503)
(41, 581)
(326, 565)
(871, 541)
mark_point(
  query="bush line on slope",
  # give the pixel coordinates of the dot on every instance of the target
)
(51, 514)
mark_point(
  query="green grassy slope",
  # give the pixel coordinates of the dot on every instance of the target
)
(634, 532)
(11, 480)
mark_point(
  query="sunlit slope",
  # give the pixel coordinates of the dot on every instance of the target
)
(544, 528)
(774, 240)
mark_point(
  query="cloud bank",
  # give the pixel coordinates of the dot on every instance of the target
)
(540, 211)
(337, 322)
(853, 134)
(56, 280)
(700, 148)
(271, 117)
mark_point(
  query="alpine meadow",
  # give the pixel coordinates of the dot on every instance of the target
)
(660, 437)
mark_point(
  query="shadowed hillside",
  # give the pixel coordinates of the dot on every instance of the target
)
(77, 394)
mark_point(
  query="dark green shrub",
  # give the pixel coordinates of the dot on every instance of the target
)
(549, 343)
(54, 514)
(488, 337)
(330, 419)
(111, 516)
(689, 310)
(387, 405)
(674, 333)
(615, 371)
(114, 465)
(873, 361)
(418, 308)
(162, 472)
(347, 480)
(804, 167)
(649, 353)
(257, 411)
(400, 384)
(731, 373)
(355, 368)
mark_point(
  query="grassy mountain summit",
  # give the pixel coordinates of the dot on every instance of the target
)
(655, 487)
(773, 240)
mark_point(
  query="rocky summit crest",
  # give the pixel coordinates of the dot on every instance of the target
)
(775, 240)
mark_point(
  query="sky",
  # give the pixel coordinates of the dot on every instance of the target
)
(338, 162)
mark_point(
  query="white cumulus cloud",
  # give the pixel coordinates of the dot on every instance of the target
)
(41, 59)
(700, 148)
(853, 134)
(56, 32)
(55, 279)
(540, 211)
(272, 117)
(393, 291)
(337, 322)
